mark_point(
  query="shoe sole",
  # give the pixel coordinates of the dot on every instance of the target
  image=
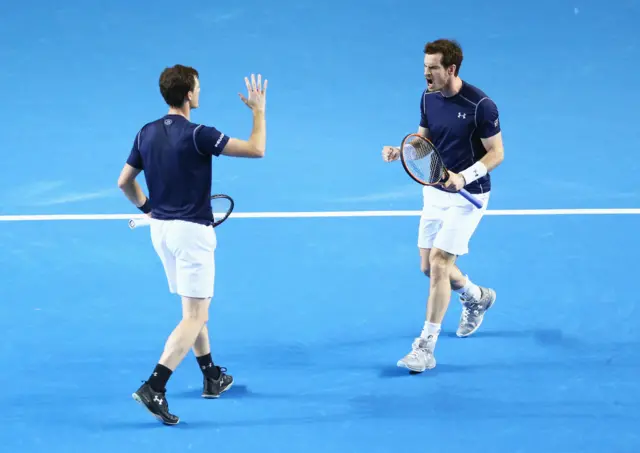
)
(402, 364)
(212, 397)
(139, 401)
(481, 319)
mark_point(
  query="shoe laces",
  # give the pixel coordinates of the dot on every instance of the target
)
(420, 348)
(222, 370)
(471, 310)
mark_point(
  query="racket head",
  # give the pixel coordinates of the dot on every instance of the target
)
(421, 160)
(222, 206)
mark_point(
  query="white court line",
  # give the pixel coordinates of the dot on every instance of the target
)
(266, 215)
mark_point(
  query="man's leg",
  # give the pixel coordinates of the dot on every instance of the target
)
(195, 313)
(460, 283)
(441, 263)
(440, 270)
(421, 356)
(214, 377)
(187, 253)
(442, 237)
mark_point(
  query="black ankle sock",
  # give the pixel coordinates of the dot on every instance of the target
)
(207, 367)
(159, 377)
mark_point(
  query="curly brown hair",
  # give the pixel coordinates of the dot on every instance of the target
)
(176, 82)
(450, 50)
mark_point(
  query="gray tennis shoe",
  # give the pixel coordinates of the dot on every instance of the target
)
(473, 311)
(421, 356)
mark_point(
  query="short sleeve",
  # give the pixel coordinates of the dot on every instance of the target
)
(135, 158)
(423, 112)
(487, 118)
(209, 140)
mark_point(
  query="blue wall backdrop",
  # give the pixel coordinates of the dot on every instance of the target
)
(345, 79)
(311, 315)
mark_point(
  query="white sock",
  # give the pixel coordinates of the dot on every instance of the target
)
(430, 330)
(470, 289)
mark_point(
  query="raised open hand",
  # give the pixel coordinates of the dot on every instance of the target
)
(257, 94)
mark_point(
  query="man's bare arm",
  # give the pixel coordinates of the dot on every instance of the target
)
(128, 184)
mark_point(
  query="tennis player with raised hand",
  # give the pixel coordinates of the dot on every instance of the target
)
(176, 156)
(463, 124)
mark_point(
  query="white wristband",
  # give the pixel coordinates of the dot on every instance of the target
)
(476, 171)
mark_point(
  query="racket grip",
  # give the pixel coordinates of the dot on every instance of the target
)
(473, 200)
(138, 222)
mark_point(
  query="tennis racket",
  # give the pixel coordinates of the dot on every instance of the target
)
(422, 161)
(221, 205)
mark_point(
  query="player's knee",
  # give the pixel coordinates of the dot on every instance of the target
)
(440, 264)
(196, 310)
(197, 318)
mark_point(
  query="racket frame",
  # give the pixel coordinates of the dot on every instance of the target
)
(229, 210)
(446, 174)
(146, 220)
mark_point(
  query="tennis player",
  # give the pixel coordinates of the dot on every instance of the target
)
(463, 124)
(176, 156)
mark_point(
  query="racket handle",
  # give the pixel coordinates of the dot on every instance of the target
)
(473, 200)
(135, 223)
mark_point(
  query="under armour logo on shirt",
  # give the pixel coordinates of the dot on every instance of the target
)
(462, 115)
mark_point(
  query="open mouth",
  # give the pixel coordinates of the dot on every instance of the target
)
(429, 81)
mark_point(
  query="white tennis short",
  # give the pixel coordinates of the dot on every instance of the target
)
(448, 220)
(186, 250)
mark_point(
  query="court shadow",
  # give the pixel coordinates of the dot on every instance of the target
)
(237, 391)
(553, 337)
(154, 424)
(490, 334)
(391, 372)
(546, 337)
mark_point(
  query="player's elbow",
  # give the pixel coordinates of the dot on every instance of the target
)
(127, 176)
(497, 154)
(252, 152)
(125, 183)
(257, 148)
(242, 148)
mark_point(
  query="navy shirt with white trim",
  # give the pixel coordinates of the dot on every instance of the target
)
(176, 156)
(456, 124)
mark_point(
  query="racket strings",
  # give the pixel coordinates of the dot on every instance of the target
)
(220, 208)
(423, 162)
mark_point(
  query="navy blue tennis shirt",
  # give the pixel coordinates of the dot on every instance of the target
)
(176, 157)
(456, 124)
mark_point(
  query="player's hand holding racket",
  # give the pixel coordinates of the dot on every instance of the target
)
(422, 161)
(455, 183)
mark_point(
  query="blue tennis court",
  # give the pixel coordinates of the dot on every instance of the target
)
(311, 314)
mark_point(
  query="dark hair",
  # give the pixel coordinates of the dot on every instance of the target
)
(176, 82)
(450, 50)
